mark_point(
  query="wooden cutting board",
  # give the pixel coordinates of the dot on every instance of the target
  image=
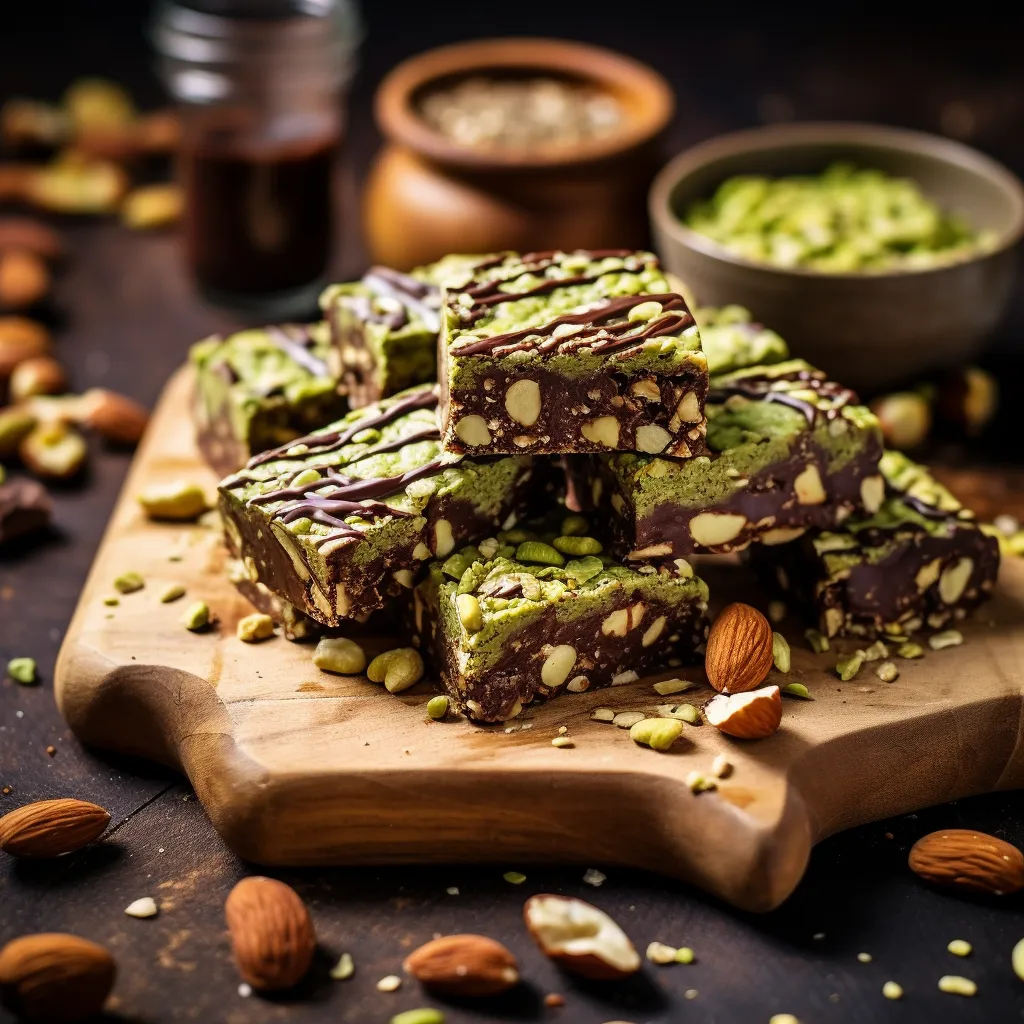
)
(295, 766)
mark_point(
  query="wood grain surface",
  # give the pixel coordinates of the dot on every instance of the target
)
(295, 766)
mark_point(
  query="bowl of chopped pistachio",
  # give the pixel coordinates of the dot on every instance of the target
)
(876, 252)
(525, 144)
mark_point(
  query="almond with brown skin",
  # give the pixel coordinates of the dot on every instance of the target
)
(739, 649)
(464, 965)
(116, 418)
(20, 339)
(752, 715)
(24, 279)
(53, 978)
(580, 937)
(271, 933)
(965, 859)
(50, 828)
(41, 375)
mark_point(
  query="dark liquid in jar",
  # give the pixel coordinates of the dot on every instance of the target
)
(258, 220)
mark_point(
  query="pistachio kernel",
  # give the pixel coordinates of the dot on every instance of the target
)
(669, 686)
(397, 669)
(422, 1015)
(817, 642)
(887, 671)
(947, 638)
(910, 650)
(577, 546)
(892, 990)
(22, 670)
(469, 611)
(537, 552)
(780, 652)
(171, 592)
(254, 628)
(196, 617)
(514, 877)
(339, 655)
(848, 665)
(437, 707)
(179, 501)
(656, 733)
(797, 690)
(684, 955)
(128, 583)
(343, 969)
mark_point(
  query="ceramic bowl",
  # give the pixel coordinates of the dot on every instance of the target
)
(867, 330)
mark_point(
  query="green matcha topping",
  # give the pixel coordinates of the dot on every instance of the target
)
(844, 220)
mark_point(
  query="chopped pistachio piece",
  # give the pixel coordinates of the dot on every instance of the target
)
(128, 583)
(111, 602)
(797, 690)
(667, 686)
(891, 990)
(817, 641)
(656, 733)
(603, 715)
(660, 953)
(539, 553)
(1017, 959)
(423, 1015)
(514, 877)
(171, 593)
(910, 650)
(437, 707)
(627, 719)
(397, 670)
(254, 628)
(684, 955)
(780, 652)
(196, 617)
(562, 741)
(577, 546)
(683, 712)
(179, 501)
(947, 638)
(887, 672)
(344, 968)
(848, 665)
(876, 651)
(864, 958)
(957, 986)
(698, 782)
(339, 655)
(960, 947)
(22, 670)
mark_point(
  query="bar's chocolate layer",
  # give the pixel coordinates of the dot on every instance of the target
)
(570, 352)
(790, 450)
(533, 631)
(384, 328)
(260, 388)
(920, 560)
(341, 520)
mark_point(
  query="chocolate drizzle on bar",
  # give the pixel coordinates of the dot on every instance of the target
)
(765, 388)
(294, 340)
(409, 294)
(600, 334)
(351, 496)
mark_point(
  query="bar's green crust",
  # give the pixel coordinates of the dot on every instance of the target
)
(256, 396)
(616, 276)
(732, 341)
(578, 589)
(395, 358)
(746, 437)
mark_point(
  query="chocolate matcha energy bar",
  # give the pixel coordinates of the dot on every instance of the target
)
(258, 389)
(504, 626)
(920, 560)
(789, 450)
(384, 329)
(570, 352)
(339, 521)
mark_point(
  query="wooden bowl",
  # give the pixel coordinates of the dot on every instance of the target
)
(867, 330)
(427, 196)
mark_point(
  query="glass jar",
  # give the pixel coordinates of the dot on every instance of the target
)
(260, 85)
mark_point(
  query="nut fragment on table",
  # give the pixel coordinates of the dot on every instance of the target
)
(54, 451)
(176, 501)
(751, 715)
(397, 669)
(253, 628)
(152, 206)
(40, 375)
(339, 655)
(51, 828)
(580, 937)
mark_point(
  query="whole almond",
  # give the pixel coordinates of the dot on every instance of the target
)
(40, 375)
(24, 279)
(739, 649)
(751, 715)
(464, 965)
(271, 933)
(55, 978)
(965, 859)
(31, 236)
(116, 418)
(20, 339)
(50, 828)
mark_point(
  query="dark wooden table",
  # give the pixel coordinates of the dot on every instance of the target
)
(130, 315)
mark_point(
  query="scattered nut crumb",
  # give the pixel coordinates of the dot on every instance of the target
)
(910, 650)
(957, 986)
(172, 592)
(818, 936)
(52, 751)
(776, 611)
(1017, 959)
(562, 741)
(245, 990)
(685, 955)
(797, 690)
(721, 767)
(514, 877)
(111, 602)
(128, 583)
(22, 670)
(594, 877)
(698, 782)
(343, 969)
(554, 999)
(452, 890)
(864, 958)
(389, 983)
(660, 953)
(253, 628)
(196, 617)
(602, 715)
(627, 719)
(892, 991)
(667, 686)
(947, 638)
(562, 730)
(144, 907)
(783, 1018)
(960, 947)
(887, 672)
(690, 993)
